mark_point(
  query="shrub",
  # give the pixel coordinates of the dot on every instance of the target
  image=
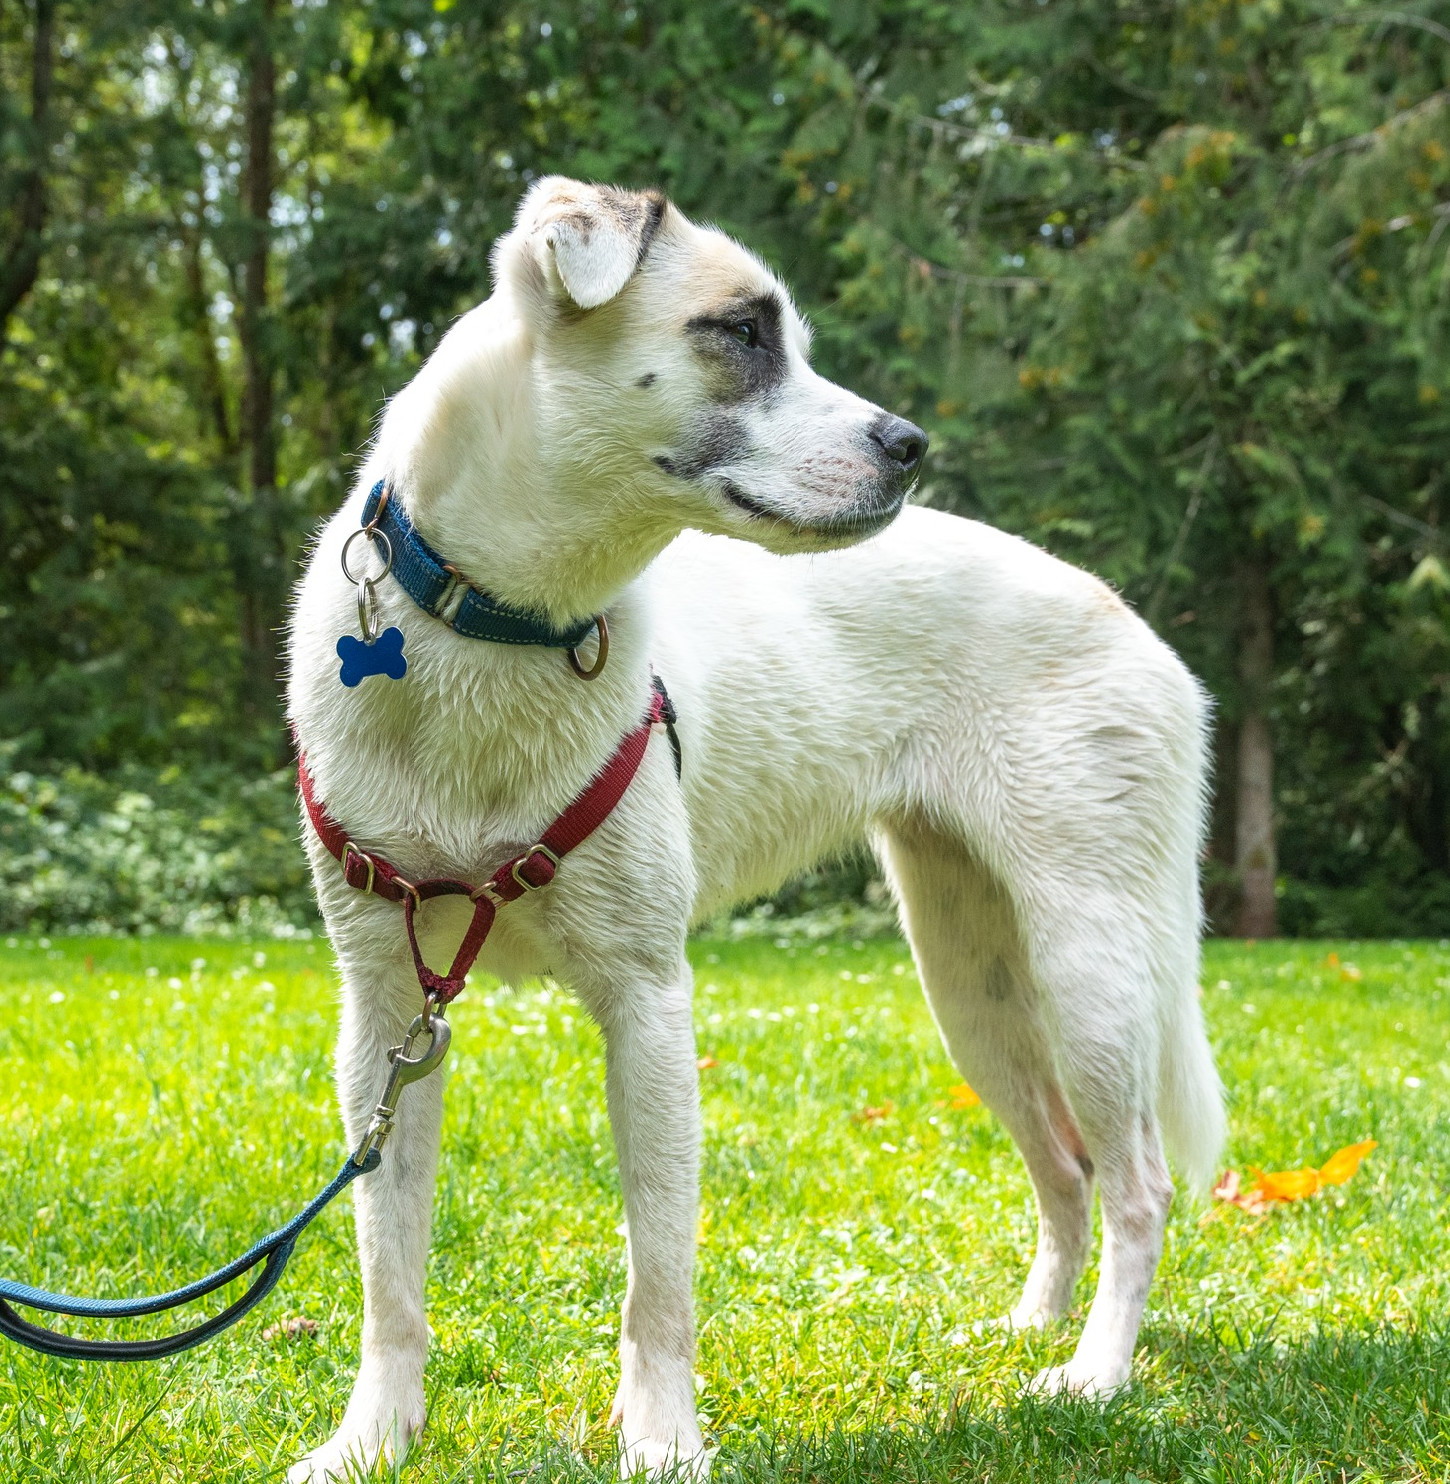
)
(201, 851)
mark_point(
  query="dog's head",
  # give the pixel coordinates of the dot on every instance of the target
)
(670, 363)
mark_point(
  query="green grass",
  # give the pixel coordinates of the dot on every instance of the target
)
(159, 1112)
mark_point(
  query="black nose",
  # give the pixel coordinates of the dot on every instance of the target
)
(903, 443)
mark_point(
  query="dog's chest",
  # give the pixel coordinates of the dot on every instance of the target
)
(472, 752)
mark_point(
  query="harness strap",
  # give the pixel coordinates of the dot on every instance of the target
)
(447, 987)
(529, 871)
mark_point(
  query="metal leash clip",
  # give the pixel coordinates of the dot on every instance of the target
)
(406, 1068)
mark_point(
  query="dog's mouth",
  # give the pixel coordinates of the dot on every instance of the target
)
(737, 496)
(852, 524)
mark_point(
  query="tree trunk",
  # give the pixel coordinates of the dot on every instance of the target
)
(261, 572)
(1255, 853)
(216, 419)
(21, 263)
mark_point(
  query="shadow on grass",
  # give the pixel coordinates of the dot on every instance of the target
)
(1368, 1406)
(1341, 1406)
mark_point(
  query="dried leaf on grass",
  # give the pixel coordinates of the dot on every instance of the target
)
(869, 1115)
(705, 1063)
(289, 1329)
(1276, 1187)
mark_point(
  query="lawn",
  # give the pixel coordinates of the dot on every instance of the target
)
(165, 1101)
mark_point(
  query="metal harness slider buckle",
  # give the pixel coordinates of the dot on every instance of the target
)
(363, 856)
(408, 887)
(525, 858)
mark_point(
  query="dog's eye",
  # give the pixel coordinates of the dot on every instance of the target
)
(746, 332)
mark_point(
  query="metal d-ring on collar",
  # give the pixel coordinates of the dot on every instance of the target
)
(600, 657)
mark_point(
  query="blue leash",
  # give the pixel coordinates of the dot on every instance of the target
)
(272, 1252)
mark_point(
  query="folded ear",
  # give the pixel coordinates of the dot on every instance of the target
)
(585, 240)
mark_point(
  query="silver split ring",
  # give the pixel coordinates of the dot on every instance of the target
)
(367, 610)
(367, 602)
(386, 552)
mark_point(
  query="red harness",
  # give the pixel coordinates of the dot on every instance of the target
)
(531, 871)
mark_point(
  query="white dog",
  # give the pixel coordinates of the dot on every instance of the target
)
(1027, 758)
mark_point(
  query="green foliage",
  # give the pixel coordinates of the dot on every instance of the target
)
(174, 1100)
(1168, 285)
(142, 852)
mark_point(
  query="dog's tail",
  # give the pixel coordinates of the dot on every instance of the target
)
(1190, 1096)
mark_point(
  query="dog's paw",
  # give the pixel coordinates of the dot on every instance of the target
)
(669, 1463)
(348, 1457)
(659, 1433)
(1090, 1382)
(1028, 1316)
(329, 1464)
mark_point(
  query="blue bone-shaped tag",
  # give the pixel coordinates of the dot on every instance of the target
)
(382, 657)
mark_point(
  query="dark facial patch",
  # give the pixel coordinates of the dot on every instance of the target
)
(736, 372)
(640, 212)
(716, 439)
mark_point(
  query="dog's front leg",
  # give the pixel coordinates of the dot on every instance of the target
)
(653, 1088)
(394, 1207)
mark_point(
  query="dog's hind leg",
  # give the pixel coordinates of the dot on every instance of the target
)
(1093, 963)
(393, 1204)
(968, 951)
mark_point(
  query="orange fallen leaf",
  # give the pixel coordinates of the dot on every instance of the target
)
(1331, 960)
(1275, 1187)
(963, 1097)
(870, 1115)
(1284, 1185)
(705, 1063)
(1339, 1167)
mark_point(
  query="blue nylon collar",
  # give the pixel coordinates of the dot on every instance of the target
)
(421, 573)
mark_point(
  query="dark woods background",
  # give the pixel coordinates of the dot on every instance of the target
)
(1166, 281)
